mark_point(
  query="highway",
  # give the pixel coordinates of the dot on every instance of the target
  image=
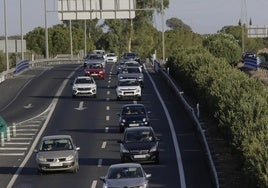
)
(93, 124)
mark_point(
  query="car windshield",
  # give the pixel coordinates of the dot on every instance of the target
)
(139, 136)
(131, 70)
(95, 57)
(84, 81)
(125, 172)
(133, 110)
(129, 83)
(56, 145)
(95, 66)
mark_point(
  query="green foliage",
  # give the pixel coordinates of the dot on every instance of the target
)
(237, 102)
(176, 23)
(2, 62)
(224, 46)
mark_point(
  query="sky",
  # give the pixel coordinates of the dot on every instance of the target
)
(203, 16)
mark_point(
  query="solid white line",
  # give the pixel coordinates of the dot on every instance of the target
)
(173, 133)
(17, 143)
(100, 163)
(94, 184)
(12, 148)
(12, 154)
(103, 145)
(51, 109)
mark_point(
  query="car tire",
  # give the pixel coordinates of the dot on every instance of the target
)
(123, 160)
(118, 98)
(121, 129)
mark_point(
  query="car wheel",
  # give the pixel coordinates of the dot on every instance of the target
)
(40, 172)
(76, 168)
(123, 160)
(118, 98)
(95, 95)
(156, 160)
(139, 98)
(73, 96)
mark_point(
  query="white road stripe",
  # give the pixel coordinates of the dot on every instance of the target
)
(94, 184)
(100, 163)
(17, 143)
(108, 92)
(103, 145)
(107, 107)
(22, 130)
(25, 134)
(1, 149)
(12, 154)
(14, 138)
(107, 118)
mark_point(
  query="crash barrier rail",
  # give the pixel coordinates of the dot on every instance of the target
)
(194, 115)
(26, 64)
(21, 66)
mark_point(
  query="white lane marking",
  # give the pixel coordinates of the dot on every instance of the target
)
(108, 92)
(108, 86)
(106, 129)
(107, 99)
(103, 145)
(94, 184)
(12, 154)
(109, 81)
(81, 106)
(17, 143)
(27, 130)
(100, 163)
(13, 148)
(25, 134)
(50, 109)
(107, 118)
(107, 107)
(173, 133)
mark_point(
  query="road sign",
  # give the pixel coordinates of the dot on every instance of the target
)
(96, 9)
(257, 31)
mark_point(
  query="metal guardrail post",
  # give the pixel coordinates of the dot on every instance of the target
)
(8, 133)
(2, 139)
(14, 133)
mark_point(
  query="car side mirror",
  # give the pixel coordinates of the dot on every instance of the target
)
(102, 178)
(77, 148)
(148, 176)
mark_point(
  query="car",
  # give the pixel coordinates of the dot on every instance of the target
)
(132, 115)
(126, 175)
(84, 86)
(134, 64)
(111, 58)
(95, 70)
(57, 153)
(139, 144)
(131, 56)
(131, 72)
(94, 58)
(128, 89)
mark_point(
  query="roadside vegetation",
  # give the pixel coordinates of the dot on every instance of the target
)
(205, 65)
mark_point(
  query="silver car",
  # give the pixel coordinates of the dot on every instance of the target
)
(57, 153)
(126, 175)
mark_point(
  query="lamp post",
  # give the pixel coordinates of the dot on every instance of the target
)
(163, 32)
(46, 30)
(21, 29)
(6, 47)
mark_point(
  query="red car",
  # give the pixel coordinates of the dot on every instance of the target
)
(95, 70)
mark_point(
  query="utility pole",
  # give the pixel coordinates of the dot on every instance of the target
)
(243, 23)
(46, 29)
(21, 31)
(163, 32)
(6, 39)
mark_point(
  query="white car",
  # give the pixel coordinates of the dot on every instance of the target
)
(128, 88)
(111, 58)
(84, 86)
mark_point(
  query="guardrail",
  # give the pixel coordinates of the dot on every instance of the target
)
(26, 64)
(194, 115)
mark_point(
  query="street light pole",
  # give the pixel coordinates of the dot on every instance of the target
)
(21, 29)
(46, 30)
(163, 32)
(6, 47)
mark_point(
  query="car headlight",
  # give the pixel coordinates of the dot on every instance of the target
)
(144, 119)
(123, 149)
(70, 157)
(154, 148)
(123, 120)
(41, 158)
(101, 72)
(143, 185)
(74, 88)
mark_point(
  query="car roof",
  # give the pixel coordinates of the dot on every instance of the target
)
(132, 104)
(122, 165)
(56, 137)
(138, 128)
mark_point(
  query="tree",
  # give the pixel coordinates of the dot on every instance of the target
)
(176, 23)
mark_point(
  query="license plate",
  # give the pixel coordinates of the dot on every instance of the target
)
(133, 124)
(139, 156)
(55, 164)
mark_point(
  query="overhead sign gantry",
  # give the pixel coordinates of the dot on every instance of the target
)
(96, 9)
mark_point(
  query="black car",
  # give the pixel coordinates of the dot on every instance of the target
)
(139, 144)
(133, 115)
